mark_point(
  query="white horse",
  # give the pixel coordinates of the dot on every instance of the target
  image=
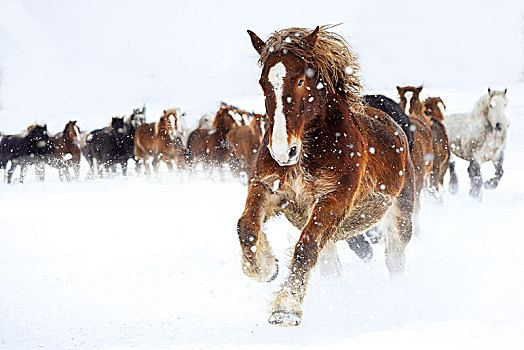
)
(479, 137)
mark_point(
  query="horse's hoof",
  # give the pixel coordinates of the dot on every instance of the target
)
(275, 274)
(284, 319)
(476, 193)
(491, 184)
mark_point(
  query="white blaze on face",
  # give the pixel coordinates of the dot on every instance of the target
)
(279, 145)
(408, 96)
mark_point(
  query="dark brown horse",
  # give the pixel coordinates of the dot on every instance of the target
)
(332, 166)
(441, 149)
(210, 146)
(245, 141)
(422, 154)
(160, 142)
(65, 151)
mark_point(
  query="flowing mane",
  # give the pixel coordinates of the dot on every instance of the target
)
(337, 64)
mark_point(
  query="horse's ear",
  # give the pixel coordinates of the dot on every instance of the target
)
(505, 90)
(311, 39)
(399, 89)
(419, 88)
(258, 44)
(165, 111)
(440, 100)
(489, 90)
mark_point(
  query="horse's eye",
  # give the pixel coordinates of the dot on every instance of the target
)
(300, 82)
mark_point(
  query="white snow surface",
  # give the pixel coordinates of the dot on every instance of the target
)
(154, 263)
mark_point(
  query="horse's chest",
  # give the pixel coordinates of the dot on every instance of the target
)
(492, 146)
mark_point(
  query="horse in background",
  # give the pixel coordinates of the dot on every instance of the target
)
(480, 136)
(104, 148)
(422, 155)
(245, 140)
(432, 105)
(30, 148)
(131, 123)
(160, 142)
(210, 147)
(65, 151)
(441, 149)
(326, 162)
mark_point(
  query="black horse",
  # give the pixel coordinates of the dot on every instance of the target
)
(359, 243)
(394, 110)
(104, 148)
(30, 148)
(132, 122)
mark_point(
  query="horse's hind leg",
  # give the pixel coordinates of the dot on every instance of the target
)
(399, 223)
(494, 181)
(476, 180)
(329, 263)
(453, 179)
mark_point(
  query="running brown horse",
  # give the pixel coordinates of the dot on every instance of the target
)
(245, 141)
(432, 105)
(332, 166)
(160, 142)
(210, 146)
(441, 149)
(65, 151)
(422, 154)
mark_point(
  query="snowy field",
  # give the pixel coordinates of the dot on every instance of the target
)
(154, 263)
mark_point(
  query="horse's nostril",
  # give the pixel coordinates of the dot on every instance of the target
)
(292, 152)
(498, 126)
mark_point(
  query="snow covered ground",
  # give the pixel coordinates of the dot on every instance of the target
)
(155, 263)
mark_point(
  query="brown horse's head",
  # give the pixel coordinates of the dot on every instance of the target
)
(170, 123)
(410, 99)
(72, 131)
(301, 71)
(227, 118)
(432, 105)
(290, 88)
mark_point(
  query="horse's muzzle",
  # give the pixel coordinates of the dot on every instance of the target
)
(287, 158)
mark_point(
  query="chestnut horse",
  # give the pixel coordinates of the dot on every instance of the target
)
(160, 141)
(331, 165)
(65, 151)
(441, 149)
(210, 146)
(245, 141)
(422, 154)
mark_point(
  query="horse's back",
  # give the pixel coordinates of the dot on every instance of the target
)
(394, 110)
(387, 149)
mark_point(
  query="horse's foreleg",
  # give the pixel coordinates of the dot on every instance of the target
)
(23, 172)
(258, 261)
(76, 170)
(327, 214)
(453, 179)
(10, 172)
(494, 181)
(476, 180)
(361, 247)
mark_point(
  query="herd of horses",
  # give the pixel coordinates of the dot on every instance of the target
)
(338, 165)
(231, 137)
